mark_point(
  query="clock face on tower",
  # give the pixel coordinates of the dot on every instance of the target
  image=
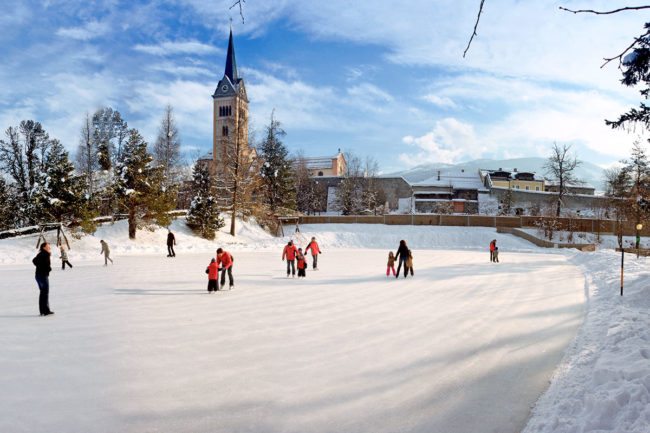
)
(224, 88)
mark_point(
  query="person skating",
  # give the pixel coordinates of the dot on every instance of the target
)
(213, 276)
(315, 251)
(409, 264)
(493, 245)
(289, 253)
(390, 266)
(64, 257)
(106, 252)
(301, 263)
(43, 269)
(225, 259)
(401, 255)
(495, 254)
(171, 241)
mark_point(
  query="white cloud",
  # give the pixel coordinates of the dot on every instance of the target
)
(450, 141)
(182, 69)
(440, 101)
(170, 48)
(88, 31)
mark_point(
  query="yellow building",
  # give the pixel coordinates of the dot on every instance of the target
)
(514, 179)
(325, 166)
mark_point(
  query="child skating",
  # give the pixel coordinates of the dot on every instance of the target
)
(390, 266)
(64, 258)
(106, 251)
(301, 263)
(213, 276)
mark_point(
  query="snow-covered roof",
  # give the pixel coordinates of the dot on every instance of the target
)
(455, 178)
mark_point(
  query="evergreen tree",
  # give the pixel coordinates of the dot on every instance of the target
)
(22, 156)
(61, 190)
(109, 133)
(279, 189)
(167, 150)
(7, 206)
(139, 189)
(203, 216)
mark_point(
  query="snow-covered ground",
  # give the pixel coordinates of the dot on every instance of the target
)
(466, 345)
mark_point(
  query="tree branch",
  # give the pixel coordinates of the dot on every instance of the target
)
(241, 11)
(478, 18)
(620, 56)
(614, 11)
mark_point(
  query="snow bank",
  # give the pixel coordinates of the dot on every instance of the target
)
(603, 384)
(249, 236)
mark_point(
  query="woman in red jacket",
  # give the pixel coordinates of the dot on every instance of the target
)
(224, 258)
(315, 251)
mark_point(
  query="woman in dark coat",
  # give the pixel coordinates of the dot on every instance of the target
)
(43, 269)
(401, 256)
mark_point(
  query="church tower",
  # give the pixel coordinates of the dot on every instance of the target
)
(229, 115)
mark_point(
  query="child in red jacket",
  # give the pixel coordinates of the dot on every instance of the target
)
(213, 276)
(302, 263)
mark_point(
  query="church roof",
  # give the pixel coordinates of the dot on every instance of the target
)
(230, 84)
(231, 63)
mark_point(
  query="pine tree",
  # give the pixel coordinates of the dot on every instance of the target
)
(203, 216)
(167, 150)
(7, 206)
(109, 132)
(279, 189)
(61, 189)
(22, 156)
(139, 189)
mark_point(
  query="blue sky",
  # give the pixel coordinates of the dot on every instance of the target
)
(384, 78)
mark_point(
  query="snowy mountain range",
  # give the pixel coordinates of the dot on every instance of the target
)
(586, 171)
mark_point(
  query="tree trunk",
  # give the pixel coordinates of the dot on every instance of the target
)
(132, 224)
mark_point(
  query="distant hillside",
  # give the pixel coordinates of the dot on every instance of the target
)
(587, 171)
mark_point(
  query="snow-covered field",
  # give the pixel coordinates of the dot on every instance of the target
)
(465, 346)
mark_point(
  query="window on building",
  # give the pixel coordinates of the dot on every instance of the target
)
(516, 186)
(536, 188)
(224, 131)
(320, 173)
(527, 188)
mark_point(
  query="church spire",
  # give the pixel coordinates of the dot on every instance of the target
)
(231, 63)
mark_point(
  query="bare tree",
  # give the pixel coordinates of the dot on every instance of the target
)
(87, 160)
(349, 191)
(561, 166)
(239, 175)
(167, 149)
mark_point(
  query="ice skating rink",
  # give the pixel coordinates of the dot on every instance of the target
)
(466, 346)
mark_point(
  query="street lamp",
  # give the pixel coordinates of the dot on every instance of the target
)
(639, 227)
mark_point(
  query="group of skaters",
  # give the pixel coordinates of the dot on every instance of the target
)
(223, 264)
(295, 257)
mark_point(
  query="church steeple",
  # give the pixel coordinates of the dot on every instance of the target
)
(231, 63)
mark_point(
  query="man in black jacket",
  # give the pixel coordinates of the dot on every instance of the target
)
(171, 241)
(43, 268)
